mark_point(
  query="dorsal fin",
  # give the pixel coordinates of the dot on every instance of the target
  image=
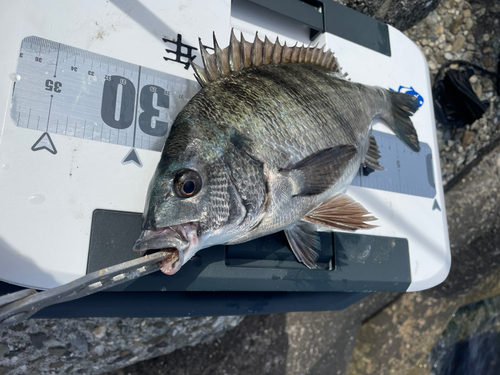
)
(241, 54)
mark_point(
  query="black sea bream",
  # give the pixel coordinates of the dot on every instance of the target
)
(270, 143)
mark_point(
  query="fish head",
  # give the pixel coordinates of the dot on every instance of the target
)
(191, 204)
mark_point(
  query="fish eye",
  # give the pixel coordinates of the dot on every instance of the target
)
(187, 183)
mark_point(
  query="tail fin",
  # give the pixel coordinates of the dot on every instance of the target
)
(403, 106)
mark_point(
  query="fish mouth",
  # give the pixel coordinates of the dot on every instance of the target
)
(179, 240)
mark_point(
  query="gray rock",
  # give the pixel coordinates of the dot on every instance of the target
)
(446, 135)
(441, 144)
(99, 332)
(467, 55)
(484, 137)
(459, 163)
(38, 338)
(487, 84)
(432, 18)
(469, 23)
(58, 351)
(4, 349)
(471, 155)
(447, 20)
(56, 365)
(478, 89)
(481, 12)
(79, 341)
(459, 132)
(52, 343)
(448, 56)
(458, 43)
(440, 58)
(96, 345)
(456, 25)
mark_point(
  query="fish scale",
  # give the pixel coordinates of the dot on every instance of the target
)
(281, 131)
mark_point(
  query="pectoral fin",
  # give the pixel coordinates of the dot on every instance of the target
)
(304, 242)
(318, 172)
(372, 156)
(341, 212)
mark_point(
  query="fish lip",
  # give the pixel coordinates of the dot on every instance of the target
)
(177, 239)
(173, 263)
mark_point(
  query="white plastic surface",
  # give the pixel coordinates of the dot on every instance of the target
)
(47, 200)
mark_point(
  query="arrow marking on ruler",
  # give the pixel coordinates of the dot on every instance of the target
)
(132, 157)
(44, 143)
(436, 205)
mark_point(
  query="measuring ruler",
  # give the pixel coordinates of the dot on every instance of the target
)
(69, 91)
(406, 172)
(73, 92)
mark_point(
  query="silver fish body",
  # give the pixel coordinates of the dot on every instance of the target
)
(266, 148)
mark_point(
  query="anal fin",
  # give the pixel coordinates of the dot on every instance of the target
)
(305, 243)
(341, 212)
(372, 156)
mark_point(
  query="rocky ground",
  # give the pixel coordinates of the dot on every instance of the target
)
(96, 345)
(468, 31)
(475, 326)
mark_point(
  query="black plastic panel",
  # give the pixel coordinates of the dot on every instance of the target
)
(159, 304)
(360, 263)
(331, 17)
(356, 27)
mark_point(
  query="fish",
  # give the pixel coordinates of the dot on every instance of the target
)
(270, 143)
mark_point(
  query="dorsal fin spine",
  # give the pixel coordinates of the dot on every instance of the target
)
(243, 54)
(286, 54)
(234, 53)
(246, 52)
(278, 48)
(302, 54)
(199, 74)
(257, 51)
(218, 54)
(209, 63)
(268, 51)
(295, 54)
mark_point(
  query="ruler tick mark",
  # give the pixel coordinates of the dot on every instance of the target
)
(29, 115)
(57, 59)
(48, 117)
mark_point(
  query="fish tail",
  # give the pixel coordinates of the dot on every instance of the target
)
(402, 106)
